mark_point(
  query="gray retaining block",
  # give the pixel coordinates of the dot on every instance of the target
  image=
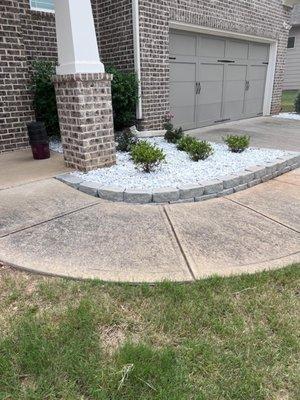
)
(191, 200)
(165, 195)
(90, 188)
(257, 170)
(212, 187)
(137, 196)
(240, 187)
(246, 177)
(112, 193)
(226, 192)
(231, 181)
(70, 180)
(190, 191)
(254, 183)
(206, 197)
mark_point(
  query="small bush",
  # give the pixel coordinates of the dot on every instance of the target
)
(184, 143)
(124, 89)
(172, 135)
(126, 139)
(147, 156)
(297, 103)
(200, 150)
(237, 144)
(44, 102)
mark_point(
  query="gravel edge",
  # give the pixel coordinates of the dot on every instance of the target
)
(187, 193)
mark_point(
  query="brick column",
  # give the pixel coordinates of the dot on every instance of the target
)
(86, 120)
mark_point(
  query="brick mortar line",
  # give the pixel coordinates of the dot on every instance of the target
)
(179, 244)
(262, 214)
(49, 220)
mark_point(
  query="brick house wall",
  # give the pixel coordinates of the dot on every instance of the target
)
(263, 18)
(113, 23)
(25, 35)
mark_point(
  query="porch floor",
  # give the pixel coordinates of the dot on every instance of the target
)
(18, 167)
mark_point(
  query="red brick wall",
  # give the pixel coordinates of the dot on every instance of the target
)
(264, 18)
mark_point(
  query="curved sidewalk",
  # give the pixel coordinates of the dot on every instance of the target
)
(50, 228)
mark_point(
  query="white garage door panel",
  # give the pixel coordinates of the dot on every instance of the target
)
(236, 50)
(211, 47)
(259, 51)
(257, 72)
(183, 45)
(213, 79)
(183, 72)
(182, 94)
(209, 112)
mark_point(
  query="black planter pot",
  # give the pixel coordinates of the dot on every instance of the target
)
(38, 140)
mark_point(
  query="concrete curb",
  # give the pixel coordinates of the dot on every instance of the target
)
(187, 193)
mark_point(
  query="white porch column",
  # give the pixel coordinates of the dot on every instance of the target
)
(76, 38)
(83, 90)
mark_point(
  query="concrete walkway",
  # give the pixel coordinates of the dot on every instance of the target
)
(50, 228)
(18, 167)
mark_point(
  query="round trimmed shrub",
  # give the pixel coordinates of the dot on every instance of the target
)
(200, 150)
(237, 144)
(147, 156)
(184, 143)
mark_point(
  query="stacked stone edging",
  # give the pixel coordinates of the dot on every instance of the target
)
(190, 192)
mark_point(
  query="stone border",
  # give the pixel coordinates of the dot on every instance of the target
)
(187, 193)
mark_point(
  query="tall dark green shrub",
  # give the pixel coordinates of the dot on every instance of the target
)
(44, 96)
(124, 97)
(297, 103)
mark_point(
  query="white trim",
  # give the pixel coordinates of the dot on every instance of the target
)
(218, 32)
(270, 79)
(272, 57)
(137, 55)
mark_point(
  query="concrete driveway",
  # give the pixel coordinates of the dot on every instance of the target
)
(267, 132)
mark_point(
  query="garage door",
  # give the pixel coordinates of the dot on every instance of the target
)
(215, 79)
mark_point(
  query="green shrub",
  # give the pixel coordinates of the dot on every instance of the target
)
(184, 143)
(44, 102)
(200, 150)
(126, 139)
(297, 103)
(147, 156)
(237, 144)
(124, 97)
(172, 135)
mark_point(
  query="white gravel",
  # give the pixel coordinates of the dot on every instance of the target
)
(55, 145)
(178, 168)
(294, 116)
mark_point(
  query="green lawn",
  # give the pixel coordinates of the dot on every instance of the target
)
(288, 100)
(234, 338)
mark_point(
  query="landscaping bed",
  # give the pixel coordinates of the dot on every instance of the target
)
(179, 179)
